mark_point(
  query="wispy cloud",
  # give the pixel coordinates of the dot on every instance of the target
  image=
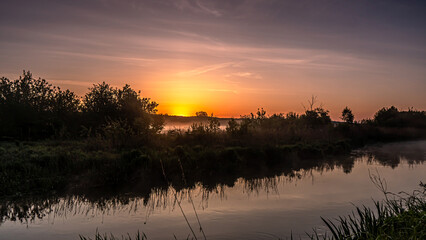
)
(207, 9)
(105, 57)
(245, 75)
(221, 90)
(197, 6)
(70, 82)
(287, 61)
(237, 46)
(204, 69)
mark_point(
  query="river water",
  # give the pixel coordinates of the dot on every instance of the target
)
(257, 208)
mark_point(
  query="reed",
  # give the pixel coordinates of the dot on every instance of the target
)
(399, 216)
(98, 236)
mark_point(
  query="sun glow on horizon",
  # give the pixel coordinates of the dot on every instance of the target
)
(178, 110)
(186, 95)
(222, 59)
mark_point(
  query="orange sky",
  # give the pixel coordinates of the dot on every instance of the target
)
(226, 57)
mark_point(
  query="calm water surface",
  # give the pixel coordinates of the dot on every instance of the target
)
(263, 208)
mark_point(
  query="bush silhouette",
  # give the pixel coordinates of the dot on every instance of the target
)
(33, 109)
(347, 115)
(392, 117)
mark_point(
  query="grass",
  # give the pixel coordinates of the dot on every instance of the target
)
(34, 168)
(138, 236)
(47, 167)
(399, 216)
(98, 236)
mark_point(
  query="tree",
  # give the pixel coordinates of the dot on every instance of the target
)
(388, 117)
(315, 116)
(233, 127)
(201, 114)
(347, 115)
(105, 104)
(392, 117)
(101, 101)
(33, 108)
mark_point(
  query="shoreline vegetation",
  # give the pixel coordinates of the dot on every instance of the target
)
(54, 143)
(146, 191)
(398, 216)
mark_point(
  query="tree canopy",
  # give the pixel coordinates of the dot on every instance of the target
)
(32, 108)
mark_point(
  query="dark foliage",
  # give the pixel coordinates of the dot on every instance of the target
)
(392, 117)
(347, 115)
(109, 121)
(34, 109)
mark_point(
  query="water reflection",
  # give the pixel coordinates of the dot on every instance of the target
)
(263, 182)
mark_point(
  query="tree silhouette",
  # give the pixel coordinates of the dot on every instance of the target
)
(392, 117)
(347, 115)
(32, 108)
(201, 114)
(107, 107)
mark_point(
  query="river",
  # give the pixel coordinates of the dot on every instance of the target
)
(257, 208)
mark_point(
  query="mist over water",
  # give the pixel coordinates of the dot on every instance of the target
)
(185, 125)
(256, 208)
(200, 119)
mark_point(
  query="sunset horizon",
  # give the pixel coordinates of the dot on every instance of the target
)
(188, 109)
(212, 119)
(225, 58)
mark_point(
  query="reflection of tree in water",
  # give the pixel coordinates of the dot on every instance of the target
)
(391, 154)
(160, 198)
(25, 211)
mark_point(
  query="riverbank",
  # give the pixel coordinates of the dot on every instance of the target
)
(59, 167)
(396, 217)
(31, 168)
(63, 143)
(292, 198)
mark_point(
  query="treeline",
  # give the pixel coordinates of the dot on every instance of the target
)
(112, 137)
(312, 126)
(33, 109)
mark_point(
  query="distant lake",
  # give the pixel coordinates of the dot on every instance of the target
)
(256, 208)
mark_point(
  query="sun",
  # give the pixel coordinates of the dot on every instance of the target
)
(181, 110)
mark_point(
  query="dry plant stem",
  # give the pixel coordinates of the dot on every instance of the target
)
(178, 202)
(190, 198)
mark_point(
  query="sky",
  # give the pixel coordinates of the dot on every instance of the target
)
(226, 57)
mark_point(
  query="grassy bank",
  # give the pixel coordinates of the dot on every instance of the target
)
(31, 168)
(55, 141)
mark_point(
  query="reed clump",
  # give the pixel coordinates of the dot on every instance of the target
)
(98, 236)
(399, 216)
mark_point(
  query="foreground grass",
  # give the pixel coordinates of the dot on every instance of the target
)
(98, 236)
(397, 217)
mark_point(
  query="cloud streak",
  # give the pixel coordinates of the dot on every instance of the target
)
(204, 69)
(269, 48)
